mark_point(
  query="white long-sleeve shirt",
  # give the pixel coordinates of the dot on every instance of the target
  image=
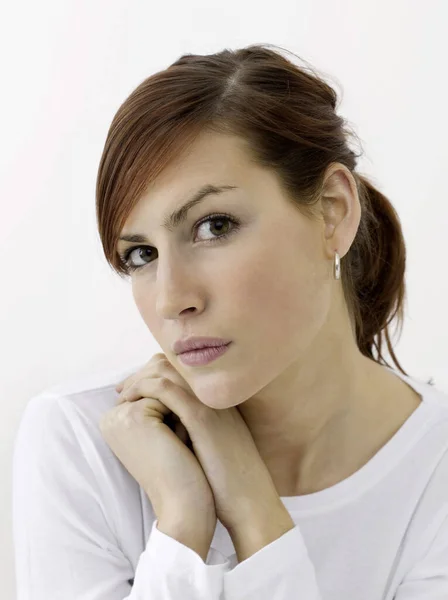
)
(85, 530)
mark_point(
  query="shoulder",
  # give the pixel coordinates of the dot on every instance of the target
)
(68, 413)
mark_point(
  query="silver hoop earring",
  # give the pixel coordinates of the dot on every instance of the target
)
(337, 266)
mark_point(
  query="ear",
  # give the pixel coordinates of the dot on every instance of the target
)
(341, 209)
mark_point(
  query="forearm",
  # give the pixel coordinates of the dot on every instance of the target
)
(196, 534)
(259, 531)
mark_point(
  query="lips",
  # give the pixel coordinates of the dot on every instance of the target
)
(204, 356)
(198, 343)
(202, 348)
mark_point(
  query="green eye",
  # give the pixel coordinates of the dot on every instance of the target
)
(130, 266)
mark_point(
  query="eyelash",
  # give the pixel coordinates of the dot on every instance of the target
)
(215, 217)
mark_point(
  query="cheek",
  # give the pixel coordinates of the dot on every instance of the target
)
(280, 294)
(145, 303)
(281, 301)
(274, 313)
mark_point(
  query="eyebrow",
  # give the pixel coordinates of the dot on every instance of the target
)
(179, 215)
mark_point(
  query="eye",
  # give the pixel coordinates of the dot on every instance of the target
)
(141, 251)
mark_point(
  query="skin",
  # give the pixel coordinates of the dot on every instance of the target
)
(316, 407)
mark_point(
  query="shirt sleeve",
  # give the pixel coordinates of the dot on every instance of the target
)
(174, 571)
(281, 570)
(64, 546)
(428, 578)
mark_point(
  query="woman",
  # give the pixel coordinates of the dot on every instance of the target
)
(289, 461)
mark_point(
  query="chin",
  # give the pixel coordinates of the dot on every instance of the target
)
(217, 396)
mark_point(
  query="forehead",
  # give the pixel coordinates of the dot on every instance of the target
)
(211, 155)
(213, 158)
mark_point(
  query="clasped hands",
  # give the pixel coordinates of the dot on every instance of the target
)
(243, 491)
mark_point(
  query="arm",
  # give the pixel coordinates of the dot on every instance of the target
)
(276, 566)
(259, 531)
(63, 541)
(194, 533)
(274, 562)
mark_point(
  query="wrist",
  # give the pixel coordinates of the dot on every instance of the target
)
(250, 512)
(193, 531)
(259, 531)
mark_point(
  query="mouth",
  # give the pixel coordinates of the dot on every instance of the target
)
(204, 348)
(203, 356)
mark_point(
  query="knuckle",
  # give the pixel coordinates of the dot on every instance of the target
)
(127, 414)
(135, 386)
(129, 419)
(122, 417)
(164, 382)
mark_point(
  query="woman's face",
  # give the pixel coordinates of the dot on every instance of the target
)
(266, 285)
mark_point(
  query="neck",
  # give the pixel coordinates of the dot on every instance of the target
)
(327, 421)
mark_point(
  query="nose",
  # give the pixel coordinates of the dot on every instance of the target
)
(178, 292)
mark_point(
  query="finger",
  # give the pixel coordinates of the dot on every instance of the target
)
(150, 407)
(153, 360)
(134, 394)
(123, 386)
(160, 367)
(178, 400)
(156, 359)
(166, 369)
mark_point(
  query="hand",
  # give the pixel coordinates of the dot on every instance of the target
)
(157, 457)
(221, 441)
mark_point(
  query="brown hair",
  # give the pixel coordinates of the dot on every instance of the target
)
(287, 115)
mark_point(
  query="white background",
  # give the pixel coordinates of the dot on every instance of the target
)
(66, 66)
